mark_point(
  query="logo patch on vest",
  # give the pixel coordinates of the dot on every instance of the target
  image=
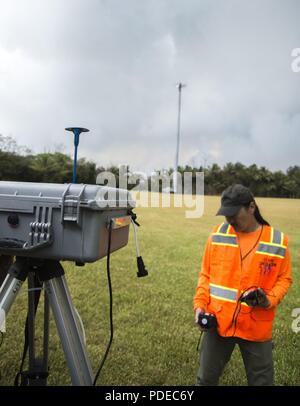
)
(266, 266)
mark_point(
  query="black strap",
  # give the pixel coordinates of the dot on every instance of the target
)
(11, 243)
(249, 252)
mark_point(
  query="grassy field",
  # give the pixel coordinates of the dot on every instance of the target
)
(155, 337)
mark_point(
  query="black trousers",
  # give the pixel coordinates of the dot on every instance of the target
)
(215, 352)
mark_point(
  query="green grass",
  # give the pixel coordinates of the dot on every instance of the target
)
(155, 337)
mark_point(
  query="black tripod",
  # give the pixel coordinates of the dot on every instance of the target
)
(50, 275)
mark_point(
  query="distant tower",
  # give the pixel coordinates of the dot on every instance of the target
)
(179, 86)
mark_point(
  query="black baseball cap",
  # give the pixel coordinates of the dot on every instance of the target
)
(233, 199)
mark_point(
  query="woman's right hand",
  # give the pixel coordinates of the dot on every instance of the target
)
(197, 312)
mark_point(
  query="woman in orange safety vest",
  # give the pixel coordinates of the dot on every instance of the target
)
(246, 271)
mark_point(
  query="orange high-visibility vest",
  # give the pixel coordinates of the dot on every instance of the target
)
(227, 281)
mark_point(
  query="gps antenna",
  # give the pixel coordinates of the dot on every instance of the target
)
(76, 131)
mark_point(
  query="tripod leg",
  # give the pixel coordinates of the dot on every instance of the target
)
(15, 277)
(31, 322)
(70, 336)
(46, 333)
(38, 366)
(8, 293)
(5, 263)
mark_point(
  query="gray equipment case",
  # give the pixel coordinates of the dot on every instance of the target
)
(62, 221)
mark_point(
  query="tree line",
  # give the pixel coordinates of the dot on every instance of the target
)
(19, 164)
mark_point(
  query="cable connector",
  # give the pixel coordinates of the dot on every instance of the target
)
(133, 216)
(142, 271)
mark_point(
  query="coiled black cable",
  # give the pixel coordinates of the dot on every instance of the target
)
(110, 305)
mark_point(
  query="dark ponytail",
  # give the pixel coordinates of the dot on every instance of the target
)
(258, 217)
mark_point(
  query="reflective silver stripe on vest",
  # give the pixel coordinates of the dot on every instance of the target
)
(224, 239)
(224, 228)
(276, 237)
(223, 293)
(271, 250)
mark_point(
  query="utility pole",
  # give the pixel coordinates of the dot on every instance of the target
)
(175, 181)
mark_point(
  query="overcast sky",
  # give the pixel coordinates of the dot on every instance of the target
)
(112, 66)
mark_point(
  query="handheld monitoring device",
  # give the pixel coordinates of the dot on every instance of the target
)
(42, 224)
(207, 320)
(255, 295)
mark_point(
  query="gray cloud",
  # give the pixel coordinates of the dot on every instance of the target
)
(112, 66)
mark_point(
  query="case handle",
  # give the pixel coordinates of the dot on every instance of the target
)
(14, 244)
